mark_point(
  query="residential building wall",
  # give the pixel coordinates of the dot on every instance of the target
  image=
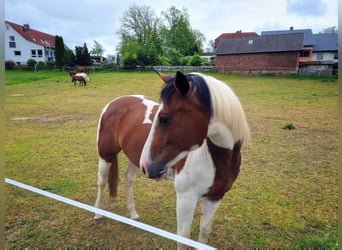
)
(19, 50)
(278, 62)
(325, 56)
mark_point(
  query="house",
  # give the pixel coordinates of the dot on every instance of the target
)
(324, 56)
(23, 43)
(308, 42)
(260, 54)
(325, 49)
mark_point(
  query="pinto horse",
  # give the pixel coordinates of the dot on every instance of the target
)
(195, 138)
(81, 77)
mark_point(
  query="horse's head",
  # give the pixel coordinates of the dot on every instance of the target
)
(180, 125)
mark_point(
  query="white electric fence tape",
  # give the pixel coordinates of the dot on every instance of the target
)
(112, 216)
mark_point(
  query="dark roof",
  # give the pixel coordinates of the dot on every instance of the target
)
(326, 42)
(269, 43)
(33, 36)
(237, 34)
(309, 39)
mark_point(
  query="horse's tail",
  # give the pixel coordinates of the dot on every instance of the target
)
(113, 178)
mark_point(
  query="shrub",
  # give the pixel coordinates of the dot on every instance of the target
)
(50, 64)
(9, 64)
(31, 62)
(41, 64)
(289, 126)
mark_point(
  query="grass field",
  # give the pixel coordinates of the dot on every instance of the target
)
(285, 196)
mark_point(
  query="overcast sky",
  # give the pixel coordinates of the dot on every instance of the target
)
(80, 22)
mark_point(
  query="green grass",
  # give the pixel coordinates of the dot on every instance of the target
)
(285, 195)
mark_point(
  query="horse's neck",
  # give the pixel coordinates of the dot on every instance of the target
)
(220, 134)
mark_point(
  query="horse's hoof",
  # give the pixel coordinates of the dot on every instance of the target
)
(137, 219)
(98, 221)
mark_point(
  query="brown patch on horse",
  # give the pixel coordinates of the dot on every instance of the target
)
(227, 163)
(122, 121)
(179, 165)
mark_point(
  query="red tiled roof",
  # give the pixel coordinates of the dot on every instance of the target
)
(237, 34)
(34, 36)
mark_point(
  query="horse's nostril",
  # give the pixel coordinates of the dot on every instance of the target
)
(143, 170)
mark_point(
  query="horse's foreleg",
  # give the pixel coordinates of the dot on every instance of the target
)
(207, 215)
(101, 182)
(131, 173)
(186, 204)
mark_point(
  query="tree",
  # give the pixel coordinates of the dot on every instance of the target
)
(139, 33)
(69, 58)
(145, 40)
(332, 29)
(59, 50)
(178, 33)
(82, 55)
(97, 49)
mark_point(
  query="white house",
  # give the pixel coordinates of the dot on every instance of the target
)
(23, 43)
(325, 49)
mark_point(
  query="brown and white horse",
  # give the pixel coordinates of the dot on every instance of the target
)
(196, 134)
(81, 77)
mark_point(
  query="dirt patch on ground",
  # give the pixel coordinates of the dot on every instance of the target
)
(52, 119)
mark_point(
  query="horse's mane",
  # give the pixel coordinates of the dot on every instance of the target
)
(227, 108)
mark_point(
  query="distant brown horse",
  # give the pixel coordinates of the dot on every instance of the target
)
(82, 69)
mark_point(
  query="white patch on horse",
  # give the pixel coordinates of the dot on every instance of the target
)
(220, 134)
(145, 154)
(83, 75)
(197, 173)
(149, 107)
(181, 155)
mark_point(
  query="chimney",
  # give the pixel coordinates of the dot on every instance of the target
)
(26, 27)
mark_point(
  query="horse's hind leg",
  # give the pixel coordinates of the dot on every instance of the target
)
(208, 211)
(131, 173)
(101, 182)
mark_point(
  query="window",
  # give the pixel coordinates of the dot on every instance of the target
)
(320, 56)
(33, 53)
(11, 38)
(335, 56)
(17, 53)
(305, 53)
(40, 53)
(12, 44)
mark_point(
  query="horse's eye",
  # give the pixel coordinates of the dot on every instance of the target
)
(164, 120)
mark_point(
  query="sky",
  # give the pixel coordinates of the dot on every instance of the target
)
(85, 21)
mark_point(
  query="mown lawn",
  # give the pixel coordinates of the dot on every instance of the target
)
(285, 196)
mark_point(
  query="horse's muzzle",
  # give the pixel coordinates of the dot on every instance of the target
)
(154, 171)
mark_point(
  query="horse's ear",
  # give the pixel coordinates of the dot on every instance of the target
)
(164, 77)
(181, 83)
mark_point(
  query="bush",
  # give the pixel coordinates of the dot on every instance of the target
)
(9, 65)
(50, 64)
(196, 60)
(41, 64)
(31, 62)
(289, 126)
